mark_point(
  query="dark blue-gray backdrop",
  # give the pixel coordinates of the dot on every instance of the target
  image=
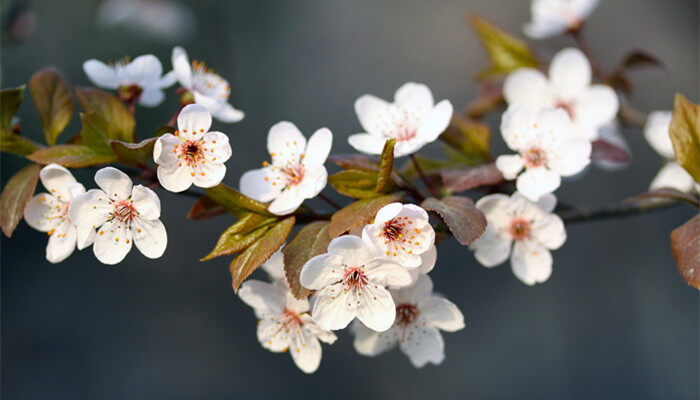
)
(615, 320)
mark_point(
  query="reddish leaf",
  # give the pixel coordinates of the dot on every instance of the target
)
(685, 244)
(460, 214)
(53, 102)
(17, 192)
(72, 156)
(240, 235)
(668, 193)
(358, 213)
(355, 161)
(205, 208)
(461, 179)
(310, 241)
(607, 151)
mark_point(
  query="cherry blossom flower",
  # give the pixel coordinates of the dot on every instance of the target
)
(413, 119)
(568, 87)
(163, 20)
(48, 212)
(350, 282)
(547, 150)
(671, 175)
(402, 233)
(533, 228)
(140, 80)
(120, 213)
(285, 324)
(192, 154)
(419, 318)
(274, 267)
(554, 17)
(207, 87)
(296, 172)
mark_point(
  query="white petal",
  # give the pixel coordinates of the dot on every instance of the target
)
(175, 178)
(321, 271)
(388, 212)
(85, 237)
(226, 113)
(164, 150)
(181, 67)
(442, 313)
(257, 184)
(313, 182)
(544, 29)
(367, 143)
(286, 142)
(569, 73)
(572, 157)
(332, 309)
(112, 243)
(546, 202)
(583, 8)
(422, 344)
(428, 260)
(61, 242)
(114, 182)
(208, 175)
(274, 266)
(56, 179)
(491, 249)
(166, 80)
(673, 176)
(496, 209)
(535, 182)
(318, 148)
(515, 122)
(370, 343)
(271, 336)
(218, 148)
(43, 212)
(287, 202)
(322, 335)
(146, 202)
(151, 97)
(596, 107)
(549, 230)
(91, 209)
(415, 96)
(419, 292)
(510, 165)
(351, 249)
(193, 121)
(376, 308)
(656, 132)
(385, 272)
(373, 114)
(305, 351)
(144, 69)
(101, 74)
(262, 296)
(150, 237)
(531, 263)
(529, 88)
(435, 121)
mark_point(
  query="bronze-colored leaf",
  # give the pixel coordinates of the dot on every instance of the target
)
(235, 202)
(162, 130)
(472, 138)
(72, 156)
(17, 192)
(355, 161)
(310, 241)
(134, 153)
(10, 99)
(355, 183)
(53, 102)
(386, 168)
(252, 257)
(93, 134)
(669, 193)
(359, 213)
(685, 245)
(685, 135)
(466, 222)
(108, 112)
(506, 52)
(240, 235)
(608, 151)
(461, 179)
(11, 142)
(205, 208)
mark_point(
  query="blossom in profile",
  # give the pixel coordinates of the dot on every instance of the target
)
(420, 316)
(140, 80)
(285, 324)
(524, 230)
(568, 87)
(296, 172)
(48, 212)
(554, 17)
(163, 20)
(123, 215)
(413, 119)
(401, 232)
(547, 150)
(207, 88)
(671, 175)
(192, 154)
(350, 282)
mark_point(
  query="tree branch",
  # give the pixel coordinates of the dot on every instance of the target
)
(618, 210)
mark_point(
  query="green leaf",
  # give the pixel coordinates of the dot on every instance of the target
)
(205, 208)
(134, 153)
(355, 183)
(685, 135)
(93, 134)
(470, 137)
(506, 52)
(466, 222)
(53, 102)
(310, 241)
(10, 99)
(252, 257)
(359, 213)
(107, 113)
(386, 168)
(355, 161)
(685, 245)
(72, 156)
(235, 202)
(17, 192)
(240, 235)
(11, 142)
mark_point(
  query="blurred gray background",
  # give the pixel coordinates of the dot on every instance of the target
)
(614, 321)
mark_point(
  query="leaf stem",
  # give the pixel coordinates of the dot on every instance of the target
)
(424, 177)
(329, 201)
(616, 210)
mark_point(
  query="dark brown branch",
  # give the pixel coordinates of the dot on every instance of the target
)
(577, 34)
(617, 210)
(424, 177)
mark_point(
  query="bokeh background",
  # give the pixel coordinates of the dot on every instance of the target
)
(614, 321)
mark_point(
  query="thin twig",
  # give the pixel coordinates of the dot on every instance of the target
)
(617, 210)
(424, 177)
(329, 201)
(577, 34)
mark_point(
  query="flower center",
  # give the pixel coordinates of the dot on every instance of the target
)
(124, 211)
(404, 134)
(354, 278)
(406, 313)
(399, 233)
(392, 230)
(293, 173)
(208, 82)
(566, 106)
(520, 229)
(291, 318)
(129, 93)
(192, 152)
(535, 157)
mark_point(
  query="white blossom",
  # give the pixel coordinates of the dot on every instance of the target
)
(402, 233)
(554, 17)
(413, 119)
(419, 318)
(671, 175)
(140, 80)
(350, 282)
(568, 87)
(165, 20)
(274, 267)
(296, 172)
(121, 214)
(530, 229)
(48, 212)
(284, 323)
(207, 87)
(547, 150)
(192, 154)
